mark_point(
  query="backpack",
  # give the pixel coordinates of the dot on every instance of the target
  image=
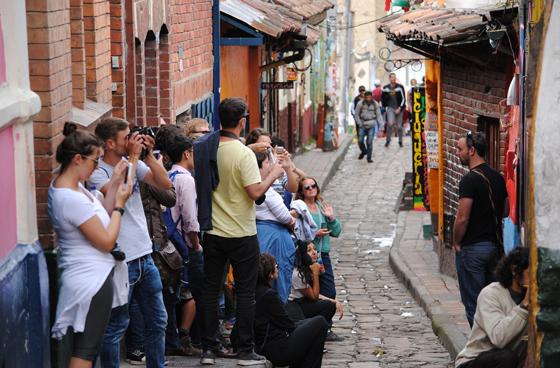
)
(173, 233)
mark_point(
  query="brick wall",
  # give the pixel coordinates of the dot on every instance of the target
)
(468, 94)
(97, 38)
(50, 69)
(117, 23)
(190, 44)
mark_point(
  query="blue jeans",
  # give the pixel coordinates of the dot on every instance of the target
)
(326, 280)
(135, 333)
(145, 286)
(367, 147)
(392, 119)
(475, 267)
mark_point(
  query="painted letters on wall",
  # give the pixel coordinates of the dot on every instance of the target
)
(419, 155)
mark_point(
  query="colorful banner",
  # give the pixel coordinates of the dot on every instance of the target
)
(419, 155)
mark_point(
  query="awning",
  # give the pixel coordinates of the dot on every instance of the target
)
(442, 27)
(308, 9)
(270, 19)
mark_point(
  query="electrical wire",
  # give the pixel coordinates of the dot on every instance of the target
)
(360, 24)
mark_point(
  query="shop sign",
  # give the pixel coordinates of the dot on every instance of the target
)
(277, 85)
(419, 156)
(432, 149)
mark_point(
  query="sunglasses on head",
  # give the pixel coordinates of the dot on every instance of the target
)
(309, 187)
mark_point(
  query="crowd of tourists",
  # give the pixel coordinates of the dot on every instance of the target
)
(181, 240)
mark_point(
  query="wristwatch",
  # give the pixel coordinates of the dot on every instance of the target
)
(120, 209)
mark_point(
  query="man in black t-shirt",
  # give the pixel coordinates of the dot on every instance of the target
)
(477, 231)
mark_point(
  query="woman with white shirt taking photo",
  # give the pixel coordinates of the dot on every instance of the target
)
(273, 221)
(93, 276)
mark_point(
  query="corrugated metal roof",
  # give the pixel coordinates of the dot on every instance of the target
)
(306, 8)
(441, 26)
(263, 16)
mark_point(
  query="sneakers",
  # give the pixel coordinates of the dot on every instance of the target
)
(136, 357)
(400, 144)
(369, 160)
(207, 357)
(246, 359)
(361, 156)
(331, 336)
(387, 143)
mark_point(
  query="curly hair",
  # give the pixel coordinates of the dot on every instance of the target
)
(267, 265)
(512, 266)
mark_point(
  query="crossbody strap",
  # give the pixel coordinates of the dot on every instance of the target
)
(498, 232)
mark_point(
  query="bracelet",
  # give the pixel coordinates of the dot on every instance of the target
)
(119, 209)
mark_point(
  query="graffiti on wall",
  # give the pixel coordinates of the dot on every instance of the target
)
(419, 155)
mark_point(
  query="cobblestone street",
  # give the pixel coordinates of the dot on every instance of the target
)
(383, 326)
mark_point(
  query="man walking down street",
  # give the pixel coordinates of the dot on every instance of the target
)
(358, 98)
(234, 235)
(134, 240)
(368, 118)
(393, 98)
(477, 231)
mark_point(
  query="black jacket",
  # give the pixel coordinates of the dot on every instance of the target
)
(401, 95)
(271, 320)
(206, 175)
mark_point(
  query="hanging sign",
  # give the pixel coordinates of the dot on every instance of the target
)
(419, 155)
(277, 85)
(292, 74)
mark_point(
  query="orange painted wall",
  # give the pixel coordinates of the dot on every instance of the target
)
(240, 75)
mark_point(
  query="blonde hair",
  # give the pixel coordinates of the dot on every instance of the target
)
(192, 126)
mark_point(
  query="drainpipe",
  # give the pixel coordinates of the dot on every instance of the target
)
(347, 53)
(216, 55)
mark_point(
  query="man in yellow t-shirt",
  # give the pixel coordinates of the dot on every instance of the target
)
(234, 236)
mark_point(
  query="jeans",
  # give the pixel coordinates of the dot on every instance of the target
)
(243, 254)
(326, 280)
(367, 147)
(170, 300)
(496, 358)
(146, 287)
(303, 348)
(135, 332)
(310, 308)
(475, 265)
(393, 118)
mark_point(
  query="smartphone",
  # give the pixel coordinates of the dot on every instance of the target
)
(280, 150)
(156, 154)
(127, 174)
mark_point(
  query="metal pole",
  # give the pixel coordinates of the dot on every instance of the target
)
(347, 53)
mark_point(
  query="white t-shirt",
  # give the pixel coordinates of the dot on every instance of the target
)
(273, 208)
(134, 238)
(297, 286)
(83, 267)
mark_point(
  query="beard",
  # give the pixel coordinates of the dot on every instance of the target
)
(464, 161)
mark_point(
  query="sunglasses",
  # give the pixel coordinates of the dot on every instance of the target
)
(309, 187)
(95, 160)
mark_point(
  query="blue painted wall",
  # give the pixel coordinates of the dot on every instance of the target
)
(24, 308)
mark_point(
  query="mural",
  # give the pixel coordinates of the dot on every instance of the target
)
(419, 155)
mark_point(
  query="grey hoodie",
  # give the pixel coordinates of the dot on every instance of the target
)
(367, 114)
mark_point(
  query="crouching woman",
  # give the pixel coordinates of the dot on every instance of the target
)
(276, 336)
(499, 335)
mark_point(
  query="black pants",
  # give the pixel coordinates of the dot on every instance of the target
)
(87, 344)
(243, 254)
(497, 358)
(311, 308)
(303, 348)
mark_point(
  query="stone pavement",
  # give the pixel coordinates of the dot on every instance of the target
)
(383, 326)
(415, 262)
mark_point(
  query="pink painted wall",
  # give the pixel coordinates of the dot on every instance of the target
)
(2, 57)
(8, 216)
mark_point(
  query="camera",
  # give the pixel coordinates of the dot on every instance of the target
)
(118, 254)
(149, 131)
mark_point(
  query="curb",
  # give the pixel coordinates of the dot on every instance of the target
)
(340, 155)
(450, 336)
